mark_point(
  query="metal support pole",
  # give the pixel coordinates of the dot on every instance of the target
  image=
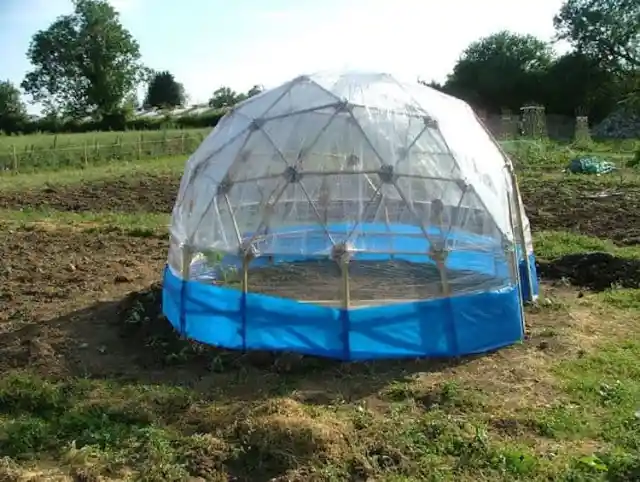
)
(340, 253)
(439, 254)
(389, 230)
(346, 290)
(245, 274)
(248, 253)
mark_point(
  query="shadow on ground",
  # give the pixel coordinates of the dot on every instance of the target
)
(260, 398)
(131, 341)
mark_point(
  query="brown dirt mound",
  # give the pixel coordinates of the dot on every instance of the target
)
(596, 271)
(147, 194)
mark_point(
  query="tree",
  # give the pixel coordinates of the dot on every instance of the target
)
(433, 84)
(85, 62)
(576, 83)
(255, 90)
(13, 113)
(130, 104)
(164, 91)
(607, 30)
(503, 70)
(224, 97)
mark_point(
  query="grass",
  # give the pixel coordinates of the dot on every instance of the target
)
(563, 406)
(565, 414)
(51, 152)
(60, 141)
(44, 152)
(165, 165)
(554, 244)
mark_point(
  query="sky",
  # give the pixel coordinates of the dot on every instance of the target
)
(207, 44)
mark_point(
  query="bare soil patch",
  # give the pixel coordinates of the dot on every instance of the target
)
(586, 207)
(151, 193)
(78, 303)
(88, 305)
(48, 274)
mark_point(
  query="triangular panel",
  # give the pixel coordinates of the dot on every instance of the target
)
(375, 91)
(426, 153)
(215, 166)
(296, 136)
(342, 201)
(200, 186)
(257, 158)
(216, 229)
(411, 144)
(342, 147)
(258, 106)
(227, 131)
(304, 95)
(249, 201)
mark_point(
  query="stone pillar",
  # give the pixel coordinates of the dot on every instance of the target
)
(534, 122)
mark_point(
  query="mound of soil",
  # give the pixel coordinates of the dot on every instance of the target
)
(596, 271)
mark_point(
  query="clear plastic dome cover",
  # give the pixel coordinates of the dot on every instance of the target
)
(337, 157)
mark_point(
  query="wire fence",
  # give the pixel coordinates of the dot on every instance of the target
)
(100, 150)
(54, 152)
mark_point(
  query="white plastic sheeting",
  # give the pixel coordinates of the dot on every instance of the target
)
(354, 148)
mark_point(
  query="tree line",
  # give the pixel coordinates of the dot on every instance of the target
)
(86, 68)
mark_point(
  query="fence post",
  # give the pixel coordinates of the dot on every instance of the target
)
(139, 146)
(164, 144)
(182, 142)
(86, 154)
(15, 157)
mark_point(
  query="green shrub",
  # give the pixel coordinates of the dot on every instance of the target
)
(635, 161)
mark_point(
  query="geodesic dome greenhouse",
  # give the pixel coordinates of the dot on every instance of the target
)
(350, 216)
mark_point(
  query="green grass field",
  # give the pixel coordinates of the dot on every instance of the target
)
(51, 152)
(96, 388)
(48, 152)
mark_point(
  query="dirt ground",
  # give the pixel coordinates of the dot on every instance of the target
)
(147, 194)
(588, 208)
(551, 205)
(59, 284)
(78, 303)
(57, 294)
